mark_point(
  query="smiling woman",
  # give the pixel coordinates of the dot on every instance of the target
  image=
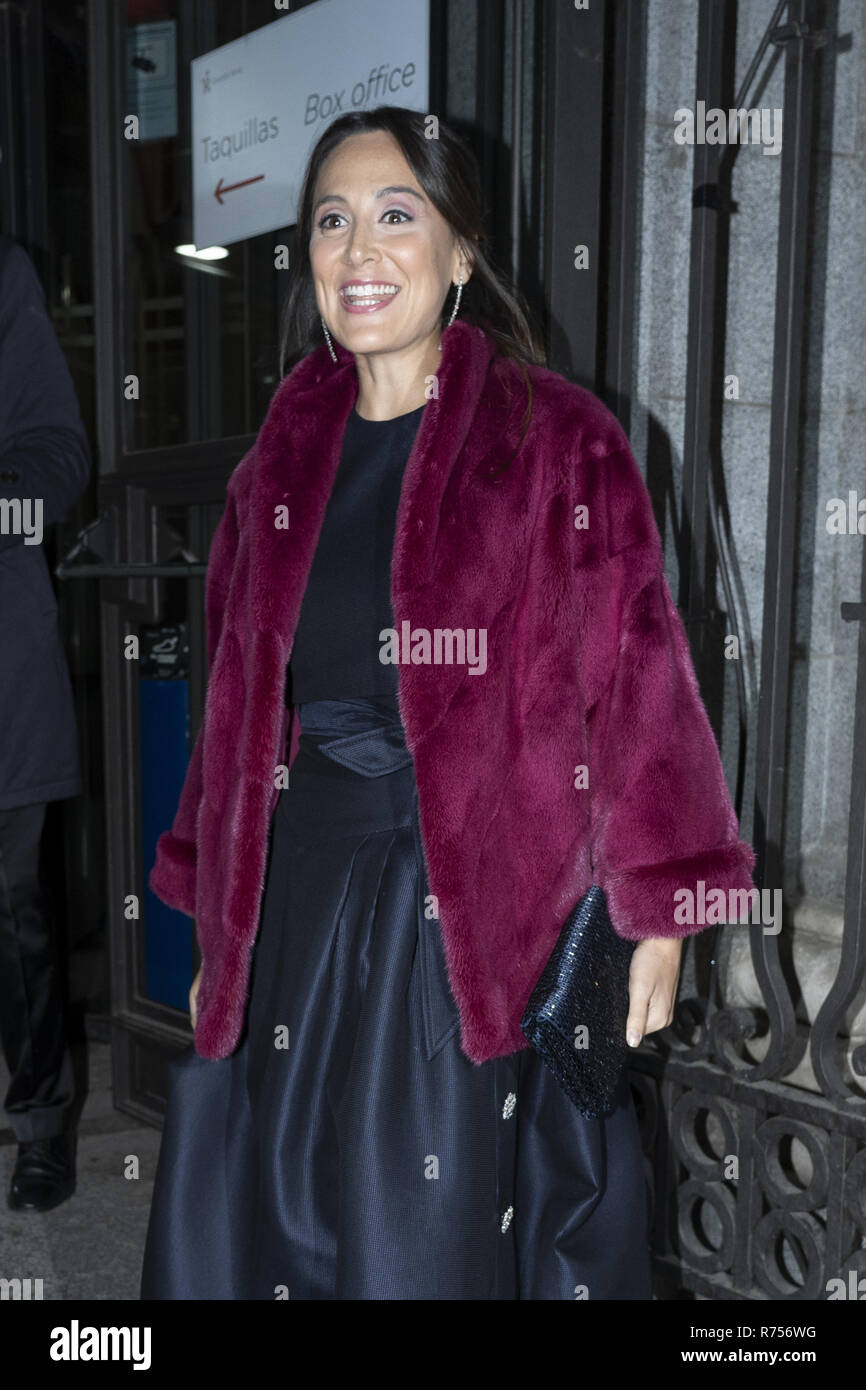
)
(361, 1117)
(383, 259)
(386, 198)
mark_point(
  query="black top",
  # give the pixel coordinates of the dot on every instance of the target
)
(347, 600)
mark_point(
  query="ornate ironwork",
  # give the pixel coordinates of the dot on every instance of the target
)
(758, 1187)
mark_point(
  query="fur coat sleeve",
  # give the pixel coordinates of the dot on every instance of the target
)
(173, 877)
(661, 816)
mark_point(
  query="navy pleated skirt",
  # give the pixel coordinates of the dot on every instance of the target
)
(348, 1149)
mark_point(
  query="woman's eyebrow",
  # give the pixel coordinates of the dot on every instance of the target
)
(381, 193)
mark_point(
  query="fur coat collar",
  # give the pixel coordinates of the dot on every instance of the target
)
(586, 729)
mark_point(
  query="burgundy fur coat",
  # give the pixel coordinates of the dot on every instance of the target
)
(559, 559)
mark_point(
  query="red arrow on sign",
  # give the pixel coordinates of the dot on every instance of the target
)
(222, 188)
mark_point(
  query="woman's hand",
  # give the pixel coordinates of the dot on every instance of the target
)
(193, 996)
(652, 986)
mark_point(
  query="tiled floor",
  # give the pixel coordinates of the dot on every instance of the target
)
(89, 1247)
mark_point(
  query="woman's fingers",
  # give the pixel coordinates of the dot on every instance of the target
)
(639, 994)
(193, 998)
(653, 979)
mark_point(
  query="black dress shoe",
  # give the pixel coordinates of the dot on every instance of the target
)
(44, 1174)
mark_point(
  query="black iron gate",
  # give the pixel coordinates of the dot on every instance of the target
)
(759, 1185)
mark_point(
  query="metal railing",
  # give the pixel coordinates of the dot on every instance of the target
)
(759, 1186)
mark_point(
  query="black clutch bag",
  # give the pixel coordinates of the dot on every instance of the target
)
(577, 1013)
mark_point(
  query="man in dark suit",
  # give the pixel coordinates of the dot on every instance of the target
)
(44, 466)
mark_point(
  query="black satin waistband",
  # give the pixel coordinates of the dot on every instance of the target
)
(362, 735)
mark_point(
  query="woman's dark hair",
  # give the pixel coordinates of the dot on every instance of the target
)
(447, 171)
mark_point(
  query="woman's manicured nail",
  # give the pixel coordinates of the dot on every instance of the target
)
(633, 1039)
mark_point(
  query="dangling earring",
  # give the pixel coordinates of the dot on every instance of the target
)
(456, 304)
(456, 301)
(328, 340)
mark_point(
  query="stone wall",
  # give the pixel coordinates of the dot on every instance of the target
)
(828, 567)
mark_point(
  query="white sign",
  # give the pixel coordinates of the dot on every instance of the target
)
(151, 78)
(260, 103)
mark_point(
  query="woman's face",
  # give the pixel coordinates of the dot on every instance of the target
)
(374, 227)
